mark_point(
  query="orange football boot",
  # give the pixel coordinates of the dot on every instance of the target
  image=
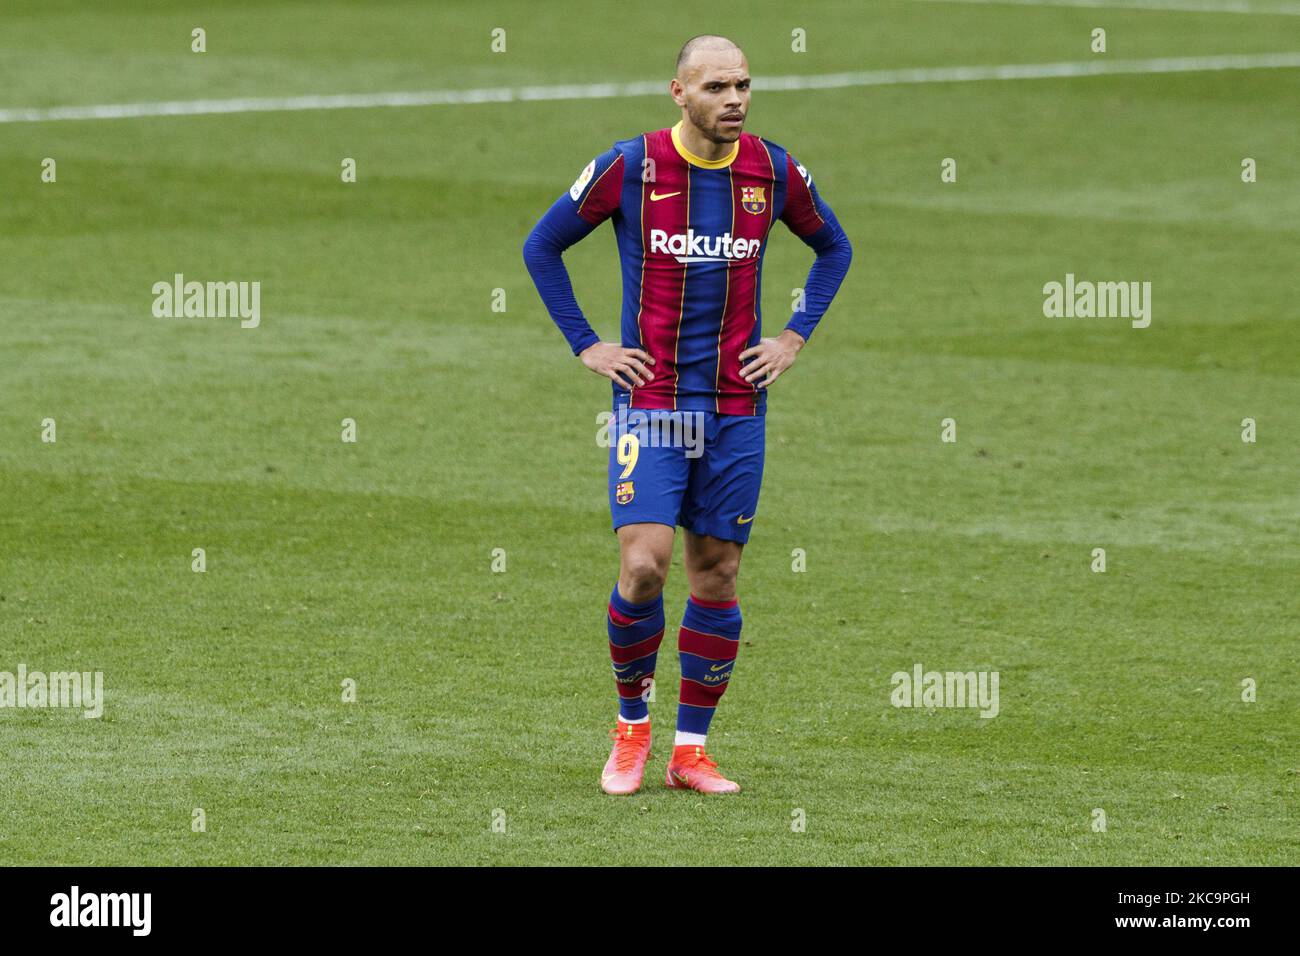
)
(626, 764)
(690, 768)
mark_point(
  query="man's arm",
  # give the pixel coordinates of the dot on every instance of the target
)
(809, 218)
(560, 228)
(592, 199)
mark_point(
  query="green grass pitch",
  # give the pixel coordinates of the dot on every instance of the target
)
(485, 696)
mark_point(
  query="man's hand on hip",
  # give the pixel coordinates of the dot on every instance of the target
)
(770, 357)
(615, 362)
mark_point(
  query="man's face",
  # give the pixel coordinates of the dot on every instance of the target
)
(715, 93)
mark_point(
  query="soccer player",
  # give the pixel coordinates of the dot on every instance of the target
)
(692, 208)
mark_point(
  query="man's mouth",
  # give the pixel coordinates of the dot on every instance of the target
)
(733, 118)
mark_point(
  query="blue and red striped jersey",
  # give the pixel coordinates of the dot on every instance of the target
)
(691, 235)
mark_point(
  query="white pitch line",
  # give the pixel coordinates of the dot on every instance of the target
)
(1280, 9)
(505, 94)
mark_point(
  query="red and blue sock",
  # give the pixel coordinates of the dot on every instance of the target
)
(706, 646)
(635, 631)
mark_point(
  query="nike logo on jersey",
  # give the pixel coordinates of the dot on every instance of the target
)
(741, 519)
(718, 667)
(655, 197)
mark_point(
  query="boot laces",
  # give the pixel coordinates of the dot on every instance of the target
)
(627, 750)
(701, 762)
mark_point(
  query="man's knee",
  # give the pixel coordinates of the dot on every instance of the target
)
(714, 573)
(644, 568)
(715, 585)
(645, 571)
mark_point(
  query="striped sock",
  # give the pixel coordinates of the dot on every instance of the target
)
(635, 631)
(706, 646)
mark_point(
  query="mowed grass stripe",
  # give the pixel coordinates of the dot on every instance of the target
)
(525, 94)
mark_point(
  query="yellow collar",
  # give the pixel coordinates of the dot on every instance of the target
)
(694, 160)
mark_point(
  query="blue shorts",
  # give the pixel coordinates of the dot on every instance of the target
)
(700, 470)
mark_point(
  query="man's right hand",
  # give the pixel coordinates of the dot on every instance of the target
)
(615, 362)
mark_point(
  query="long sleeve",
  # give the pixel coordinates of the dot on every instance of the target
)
(592, 199)
(812, 220)
(560, 228)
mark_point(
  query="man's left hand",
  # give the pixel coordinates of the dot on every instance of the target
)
(770, 357)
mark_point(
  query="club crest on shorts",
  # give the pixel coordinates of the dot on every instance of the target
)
(624, 492)
(753, 199)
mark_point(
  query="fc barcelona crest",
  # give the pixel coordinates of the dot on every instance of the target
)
(624, 492)
(753, 199)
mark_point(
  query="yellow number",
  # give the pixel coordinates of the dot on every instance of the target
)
(629, 449)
